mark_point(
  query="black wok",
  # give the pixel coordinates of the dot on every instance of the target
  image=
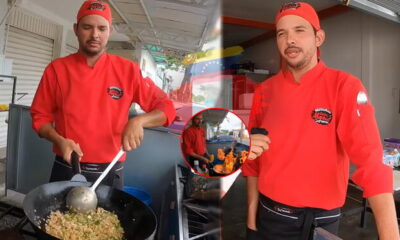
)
(137, 219)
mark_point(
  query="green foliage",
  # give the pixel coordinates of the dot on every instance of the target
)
(198, 98)
(173, 63)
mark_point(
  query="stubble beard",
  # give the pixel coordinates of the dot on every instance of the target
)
(298, 65)
(92, 53)
(301, 64)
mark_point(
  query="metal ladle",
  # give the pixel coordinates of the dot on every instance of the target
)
(83, 199)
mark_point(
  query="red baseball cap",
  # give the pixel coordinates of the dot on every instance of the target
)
(300, 9)
(94, 7)
(303, 10)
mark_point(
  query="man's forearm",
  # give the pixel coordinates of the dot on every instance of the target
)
(198, 156)
(385, 216)
(252, 201)
(154, 118)
(47, 131)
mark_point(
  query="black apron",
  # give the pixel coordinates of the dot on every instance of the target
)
(277, 221)
(62, 171)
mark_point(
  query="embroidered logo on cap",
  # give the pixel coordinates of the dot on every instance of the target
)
(322, 116)
(115, 92)
(290, 5)
(96, 6)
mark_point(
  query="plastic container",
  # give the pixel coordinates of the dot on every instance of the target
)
(391, 143)
(139, 194)
(391, 157)
(212, 158)
(197, 167)
(205, 170)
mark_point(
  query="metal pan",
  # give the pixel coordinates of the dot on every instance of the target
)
(137, 219)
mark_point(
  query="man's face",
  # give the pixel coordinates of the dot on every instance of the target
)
(197, 120)
(297, 42)
(93, 32)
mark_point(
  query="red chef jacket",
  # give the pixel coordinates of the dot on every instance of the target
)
(316, 126)
(90, 105)
(194, 141)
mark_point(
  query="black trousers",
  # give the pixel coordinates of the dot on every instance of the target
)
(62, 171)
(276, 221)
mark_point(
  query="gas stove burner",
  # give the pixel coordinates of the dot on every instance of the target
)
(201, 224)
(200, 211)
(11, 234)
(13, 224)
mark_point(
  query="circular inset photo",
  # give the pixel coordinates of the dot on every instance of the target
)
(215, 142)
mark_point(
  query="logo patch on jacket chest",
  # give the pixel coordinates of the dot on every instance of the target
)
(115, 92)
(322, 116)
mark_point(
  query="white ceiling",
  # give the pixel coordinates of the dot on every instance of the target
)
(175, 24)
(180, 24)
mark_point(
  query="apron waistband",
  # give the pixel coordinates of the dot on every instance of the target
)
(310, 216)
(92, 167)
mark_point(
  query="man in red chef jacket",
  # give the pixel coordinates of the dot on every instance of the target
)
(318, 120)
(83, 100)
(194, 142)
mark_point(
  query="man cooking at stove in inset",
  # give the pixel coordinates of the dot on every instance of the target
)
(318, 120)
(194, 142)
(83, 100)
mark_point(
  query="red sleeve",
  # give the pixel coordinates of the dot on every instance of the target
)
(187, 142)
(251, 167)
(359, 135)
(44, 103)
(150, 97)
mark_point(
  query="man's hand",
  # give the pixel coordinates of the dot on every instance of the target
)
(66, 146)
(200, 157)
(259, 144)
(205, 160)
(133, 134)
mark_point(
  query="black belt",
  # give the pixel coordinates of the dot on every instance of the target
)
(91, 167)
(310, 216)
